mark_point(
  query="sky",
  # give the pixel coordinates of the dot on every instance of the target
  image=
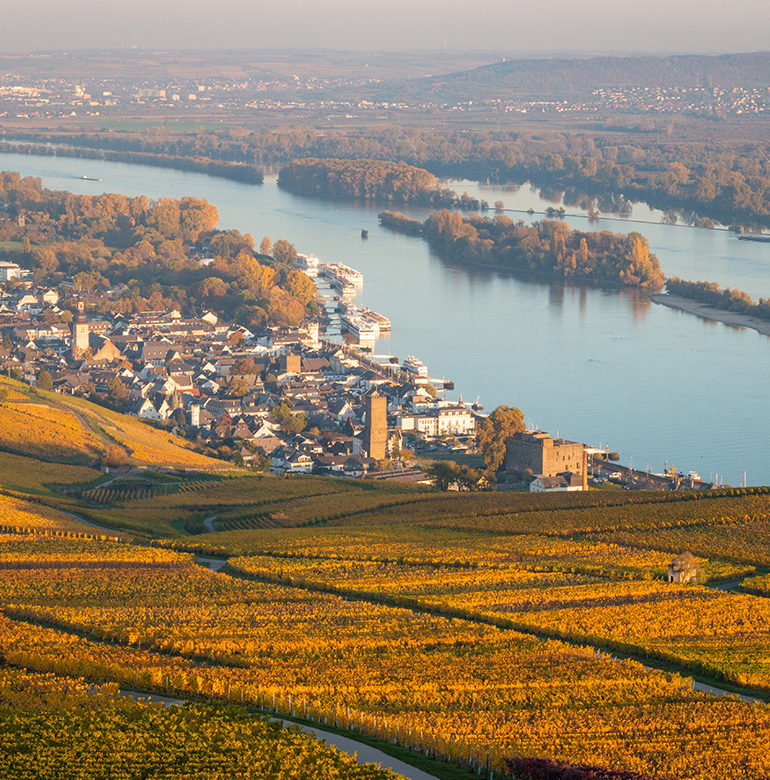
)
(585, 25)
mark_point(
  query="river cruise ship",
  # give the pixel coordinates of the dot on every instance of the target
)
(308, 264)
(342, 273)
(415, 366)
(354, 321)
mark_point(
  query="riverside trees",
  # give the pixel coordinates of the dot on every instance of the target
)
(548, 247)
(148, 252)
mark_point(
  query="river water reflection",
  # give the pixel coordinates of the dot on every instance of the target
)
(597, 366)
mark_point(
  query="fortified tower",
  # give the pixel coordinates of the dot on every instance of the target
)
(376, 429)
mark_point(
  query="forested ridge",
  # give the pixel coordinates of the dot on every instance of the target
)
(710, 178)
(548, 247)
(147, 254)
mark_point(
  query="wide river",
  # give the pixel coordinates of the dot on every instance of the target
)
(600, 366)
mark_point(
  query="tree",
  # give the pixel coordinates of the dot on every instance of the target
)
(44, 380)
(264, 247)
(501, 424)
(117, 391)
(245, 366)
(449, 475)
(114, 457)
(291, 423)
(284, 252)
(237, 388)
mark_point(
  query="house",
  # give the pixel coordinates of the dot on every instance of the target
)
(564, 482)
(103, 349)
(287, 460)
(266, 445)
(49, 297)
(155, 352)
(683, 569)
(145, 409)
(29, 304)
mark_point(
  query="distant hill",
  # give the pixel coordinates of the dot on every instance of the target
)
(549, 79)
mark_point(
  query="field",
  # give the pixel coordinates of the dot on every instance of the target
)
(461, 630)
(478, 694)
(86, 731)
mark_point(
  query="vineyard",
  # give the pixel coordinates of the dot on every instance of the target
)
(40, 430)
(58, 726)
(474, 631)
(36, 476)
(149, 618)
(602, 594)
(50, 426)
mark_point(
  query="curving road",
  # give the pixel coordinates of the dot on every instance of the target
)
(363, 753)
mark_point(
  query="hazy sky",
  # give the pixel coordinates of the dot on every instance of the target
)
(596, 25)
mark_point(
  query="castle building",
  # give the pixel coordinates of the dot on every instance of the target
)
(538, 453)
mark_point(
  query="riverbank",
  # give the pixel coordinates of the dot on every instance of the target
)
(712, 313)
(234, 171)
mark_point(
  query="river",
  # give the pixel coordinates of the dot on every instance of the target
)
(600, 366)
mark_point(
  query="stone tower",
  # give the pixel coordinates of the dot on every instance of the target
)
(80, 340)
(376, 429)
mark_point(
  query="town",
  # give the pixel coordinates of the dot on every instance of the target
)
(288, 400)
(26, 97)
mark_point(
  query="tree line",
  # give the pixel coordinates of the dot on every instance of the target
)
(727, 298)
(150, 255)
(712, 178)
(550, 248)
(227, 170)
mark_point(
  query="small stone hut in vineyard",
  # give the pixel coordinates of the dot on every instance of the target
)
(683, 569)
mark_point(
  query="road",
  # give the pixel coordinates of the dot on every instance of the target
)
(215, 564)
(364, 754)
(113, 533)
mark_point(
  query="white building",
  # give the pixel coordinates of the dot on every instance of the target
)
(440, 421)
(9, 271)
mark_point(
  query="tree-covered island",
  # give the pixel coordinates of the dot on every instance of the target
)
(549, 248)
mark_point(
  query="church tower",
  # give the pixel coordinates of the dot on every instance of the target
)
(376, 428)
(80, 341)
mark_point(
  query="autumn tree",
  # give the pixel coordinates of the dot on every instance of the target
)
(284, 252)
(44, 380)
(491, 435)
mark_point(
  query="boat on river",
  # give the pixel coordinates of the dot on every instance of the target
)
(308, 264)
(415, 366)
(355, 322)
(342, 274)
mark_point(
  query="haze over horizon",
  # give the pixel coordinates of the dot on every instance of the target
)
(658, 26)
